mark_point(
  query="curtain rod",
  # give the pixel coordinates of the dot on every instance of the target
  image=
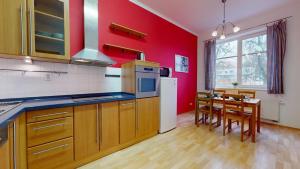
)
(285, 18)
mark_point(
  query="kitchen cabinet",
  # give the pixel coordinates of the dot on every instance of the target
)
(13, 151)
(37, 28)
(6, 151)
(109, 125)
(51, 155)
(13, 30)
(127, 121)
(86, 134)
(72, 136)
(147, 116)
(47, 131)
(50, 141)
(49, 29)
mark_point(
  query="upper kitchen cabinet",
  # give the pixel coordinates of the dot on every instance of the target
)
(37, 28)
(13, 30)
(48, 24)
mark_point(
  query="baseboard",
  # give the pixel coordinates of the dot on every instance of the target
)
(278, 125)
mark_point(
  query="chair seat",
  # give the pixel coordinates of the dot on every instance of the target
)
(238, 115)
(207, 109)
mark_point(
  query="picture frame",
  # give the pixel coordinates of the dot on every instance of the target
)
(181, 64)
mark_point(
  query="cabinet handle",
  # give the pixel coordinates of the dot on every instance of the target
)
(48, 115)
(49, 126)
(30, 31)
(137, 120)
(21, 28)
(50, 149)
(100, 114)
(15, 145)
(126, 104)
(97, 125)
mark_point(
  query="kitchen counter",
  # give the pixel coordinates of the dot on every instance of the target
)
(47, 102)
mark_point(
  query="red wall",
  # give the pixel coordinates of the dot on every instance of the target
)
(162, 42)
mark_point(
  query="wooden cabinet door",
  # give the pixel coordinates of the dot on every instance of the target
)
(13, 152)
(127, 121)
(86, 131)
(109, 125)
(48, 29)
(6, 151)
(147, 116)
(13, 27)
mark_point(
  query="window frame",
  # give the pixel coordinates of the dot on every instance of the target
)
(240, 55)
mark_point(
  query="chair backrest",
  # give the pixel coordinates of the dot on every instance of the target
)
(249, 93)
(233, 103)
(219, 92)
(204, 99)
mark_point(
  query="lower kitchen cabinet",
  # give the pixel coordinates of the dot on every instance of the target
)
(13, 151)
(127, 121)
(109, 125)
(86, 130)
(66, 138)
(147, 116)
(6, 151)
(51, 155)
(50, 130)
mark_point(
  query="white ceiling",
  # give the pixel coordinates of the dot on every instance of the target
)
(201, 15)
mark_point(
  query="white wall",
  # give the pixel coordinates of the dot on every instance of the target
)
(290, 106)
(80, 79)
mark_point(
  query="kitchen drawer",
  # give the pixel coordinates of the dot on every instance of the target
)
(51, 155)
(49, 114)
(128, 104)
(47, 131)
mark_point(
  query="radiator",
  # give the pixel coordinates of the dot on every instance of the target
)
(270, 109)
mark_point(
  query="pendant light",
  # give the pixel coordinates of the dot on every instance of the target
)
(221, 28)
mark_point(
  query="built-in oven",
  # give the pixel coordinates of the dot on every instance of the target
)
(147, 81)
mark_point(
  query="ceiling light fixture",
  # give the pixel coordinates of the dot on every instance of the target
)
(221, 28)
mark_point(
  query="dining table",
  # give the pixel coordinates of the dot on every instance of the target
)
(253, 103)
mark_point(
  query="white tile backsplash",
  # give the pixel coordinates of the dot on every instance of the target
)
(79, 79)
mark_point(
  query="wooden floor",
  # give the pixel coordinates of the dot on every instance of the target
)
(189, 147)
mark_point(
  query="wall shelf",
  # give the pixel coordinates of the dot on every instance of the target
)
(123, 49)
(121, 28)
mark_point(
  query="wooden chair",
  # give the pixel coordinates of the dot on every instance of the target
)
(219, 92)
(204, 105)
(248, 93)
(233, 109)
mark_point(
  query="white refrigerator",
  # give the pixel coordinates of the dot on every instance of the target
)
(168, 104)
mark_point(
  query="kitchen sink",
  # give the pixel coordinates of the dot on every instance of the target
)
(7, 106)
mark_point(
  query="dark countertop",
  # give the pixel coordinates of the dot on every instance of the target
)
(47, 102)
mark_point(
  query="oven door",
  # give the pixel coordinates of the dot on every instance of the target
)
(147, 84)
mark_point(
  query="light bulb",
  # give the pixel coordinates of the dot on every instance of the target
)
(28, 60)
(236, 29)
(215, 33)
(222, 36)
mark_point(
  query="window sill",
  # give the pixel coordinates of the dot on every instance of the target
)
(242, 88)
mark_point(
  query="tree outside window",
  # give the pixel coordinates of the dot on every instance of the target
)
(242, 60)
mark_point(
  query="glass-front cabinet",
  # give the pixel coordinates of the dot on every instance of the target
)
(49, 29)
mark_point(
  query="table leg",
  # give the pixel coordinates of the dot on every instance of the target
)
(253, 131)
(196, 113)
(258, 117)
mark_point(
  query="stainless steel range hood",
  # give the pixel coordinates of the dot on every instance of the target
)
(90, 55)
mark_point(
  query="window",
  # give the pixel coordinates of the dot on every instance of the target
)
(242, 60)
